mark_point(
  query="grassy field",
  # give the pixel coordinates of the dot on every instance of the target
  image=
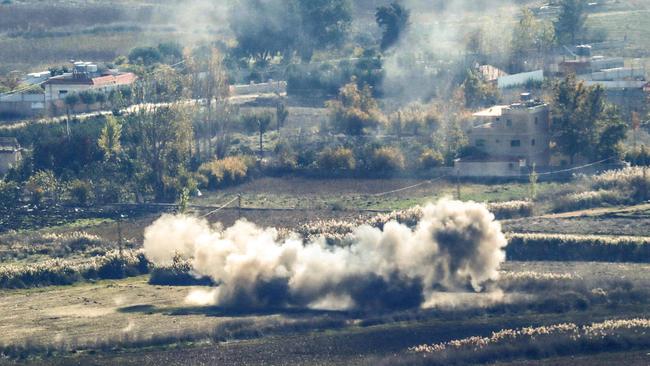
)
(109, 315)
(364, 193)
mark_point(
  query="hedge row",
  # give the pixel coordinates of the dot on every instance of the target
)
(560, 247)
(113, 265)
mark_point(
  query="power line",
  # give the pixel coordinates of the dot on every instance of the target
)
(504, 176)
(220, 208)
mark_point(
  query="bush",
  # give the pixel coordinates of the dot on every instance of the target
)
(338, 159)
(386, 159)
(228, 171)
(9, 194)
(41, 185)
(638, 157)
(80, 192)
(511, 209)
(589, 199)
(179, 273)
(431, 159)
(113, 265)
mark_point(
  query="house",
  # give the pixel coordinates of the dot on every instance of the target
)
(10, 153)
(507, 138)
(84, 77)
(50, 97)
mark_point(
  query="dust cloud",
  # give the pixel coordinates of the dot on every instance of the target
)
(457, 247)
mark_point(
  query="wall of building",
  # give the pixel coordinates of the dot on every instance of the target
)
(520, 79)
(516, 134)
(261, 88)
(8, 159)
(487, 169)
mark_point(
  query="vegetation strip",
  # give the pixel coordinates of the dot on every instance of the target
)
(541, 342)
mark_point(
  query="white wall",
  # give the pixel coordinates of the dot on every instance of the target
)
(520, 79)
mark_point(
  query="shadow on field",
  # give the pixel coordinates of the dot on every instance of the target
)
(217, 311)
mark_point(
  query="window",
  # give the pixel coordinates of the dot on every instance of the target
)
(536, 120)
(532, 142)
(509, 123)
(480, 143)
(498, 141)
(515, 143)
(63, 92)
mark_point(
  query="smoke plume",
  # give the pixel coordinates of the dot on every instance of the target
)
(455, 247)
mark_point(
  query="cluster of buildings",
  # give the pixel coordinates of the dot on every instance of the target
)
(512, 138)
(49, 99)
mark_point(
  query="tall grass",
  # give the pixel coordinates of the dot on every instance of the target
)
(615, 187)
(113, 265)
(562, 247)
(538, 342)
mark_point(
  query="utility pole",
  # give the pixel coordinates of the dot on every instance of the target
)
(119, 235)
(458, 184)
(645, 182)
(239, 205)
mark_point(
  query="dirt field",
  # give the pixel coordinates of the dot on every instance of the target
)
(116, 311)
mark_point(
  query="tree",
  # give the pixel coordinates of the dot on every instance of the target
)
(583, 123)
(101, 99)
(571, 21)
(355, 110)
(146, 56)
(109, 140)
(477, 92)
(259, 122)
(264, 29)
(208, 81)
(324, 22)
(88, 98)
(41, 185)
(160, 140)
(281, 115)
(70, 100)
(170, 52)
(163, 85)
(394, 20)
(529, 38)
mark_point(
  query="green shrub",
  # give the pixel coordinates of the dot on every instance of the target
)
(386, 159)
(431, 159)
(227, 171)
(9, 194)
(338, 159)
(80, 192)
(511, 209)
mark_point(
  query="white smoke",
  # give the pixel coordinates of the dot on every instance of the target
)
(433, 46)
(455, 247)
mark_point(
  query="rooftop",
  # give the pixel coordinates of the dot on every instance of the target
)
(495, 111)
(69, 79)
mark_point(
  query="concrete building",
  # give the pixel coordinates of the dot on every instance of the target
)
(509, 138)
(10, 153)
(84, 77)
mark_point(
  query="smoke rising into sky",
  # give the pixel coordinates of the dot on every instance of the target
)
(456, 246)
